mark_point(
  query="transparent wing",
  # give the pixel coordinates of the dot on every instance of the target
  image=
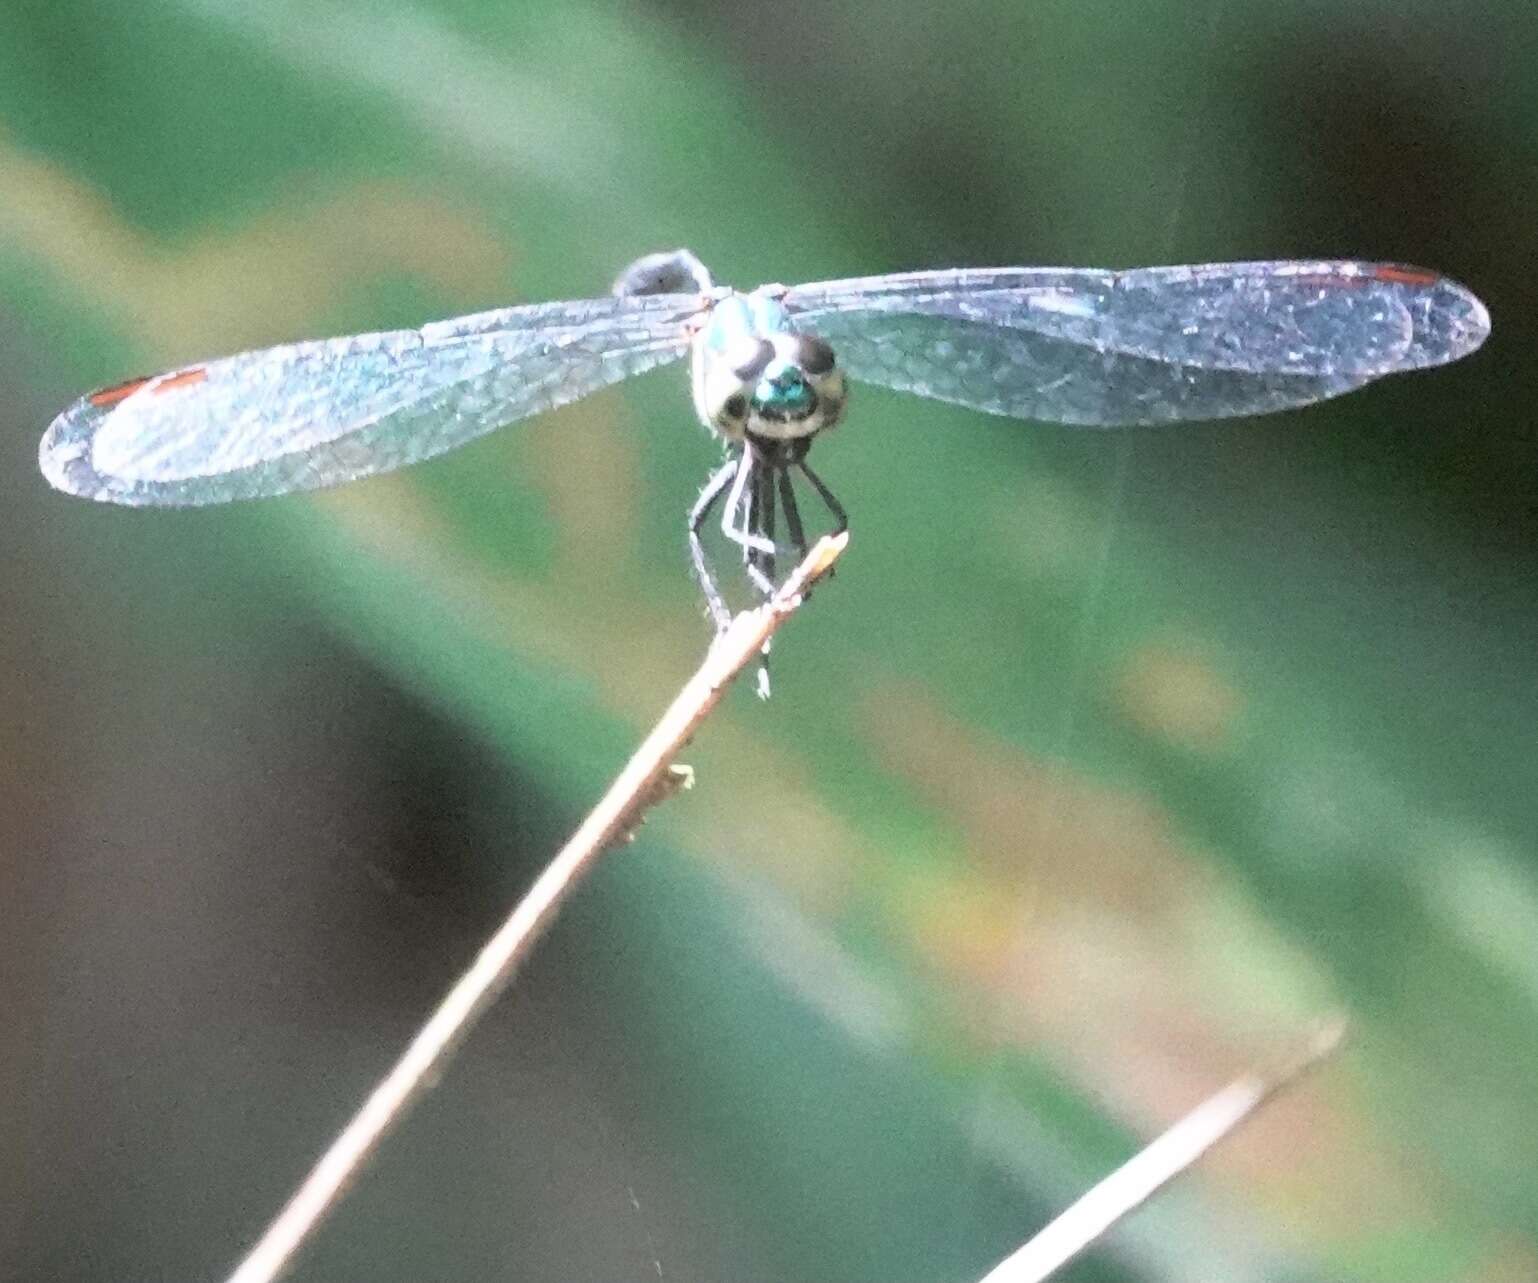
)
(1145, 346)
(316, 414)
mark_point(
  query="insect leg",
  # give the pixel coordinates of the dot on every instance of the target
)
(761, 523)
(698, 515)
(736, 518)
(792, 513)
(840, 517)
(761, 564)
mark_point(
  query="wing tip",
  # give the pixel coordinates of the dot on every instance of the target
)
(1475, 320)
(63, 455)
(1450, 320)
(68, 454)
(67, 461)
(1456, 319)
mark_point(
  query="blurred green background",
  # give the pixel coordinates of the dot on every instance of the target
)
(1107, 762)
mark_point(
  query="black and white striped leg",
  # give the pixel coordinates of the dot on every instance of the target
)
(698, 516)
(737, 516)
(761, 523)
(761, 565)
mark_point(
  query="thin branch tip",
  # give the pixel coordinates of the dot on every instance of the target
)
(1163, 1159)
(814, 566)
(1329, 1036)
(1316, 1046)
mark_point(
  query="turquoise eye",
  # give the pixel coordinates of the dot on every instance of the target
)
(786, 395)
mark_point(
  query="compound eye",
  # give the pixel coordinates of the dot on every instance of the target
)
(735, 406)
(814, 356)
(749, 360)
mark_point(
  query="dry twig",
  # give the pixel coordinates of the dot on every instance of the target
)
(1142, 1176)
(646, 779)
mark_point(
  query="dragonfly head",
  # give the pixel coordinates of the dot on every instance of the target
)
(781, 386)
